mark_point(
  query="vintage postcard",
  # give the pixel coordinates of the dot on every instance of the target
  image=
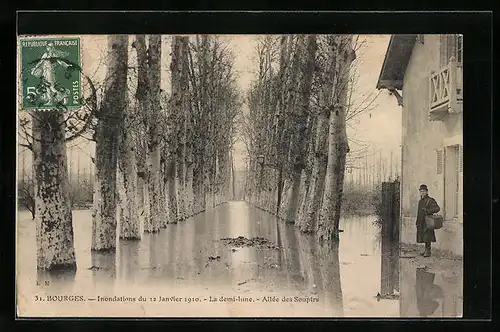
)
(239, 176)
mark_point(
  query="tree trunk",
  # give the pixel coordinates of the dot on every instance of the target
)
(286, 127)
(301, 138)
(306, 177)
(154, 178)
(189, 188)
(175, 167)
(53, 218)
(142, 96)
(233, 180)
(316, 187)
(172, 192)
(182, 140)
(328, 83)
(107, 132)
(337, 151)
(164, 193)
(188, 127)
(130, 227)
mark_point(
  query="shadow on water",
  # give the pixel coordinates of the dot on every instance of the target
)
(434, 291)
(428, 293)
(128, 259)
(389, 276)
(58, 280)
(191, 255)
(103, 267)
(321, 272)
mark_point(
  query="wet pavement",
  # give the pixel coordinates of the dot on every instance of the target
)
(188, 269)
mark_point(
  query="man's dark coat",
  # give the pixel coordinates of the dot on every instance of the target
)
(426, 206)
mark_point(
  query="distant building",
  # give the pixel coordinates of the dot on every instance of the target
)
(424, 72)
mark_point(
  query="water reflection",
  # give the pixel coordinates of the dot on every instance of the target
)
(291, 254)
(330, 274)
(432, 290)
(389, 276)
(128, 259)
(169, 251)
(428, 293)
(58, 280)
(103, 266)
(313, 280)
(189, 255)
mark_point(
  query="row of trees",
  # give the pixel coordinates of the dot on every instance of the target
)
(295, 129)
(160, 157)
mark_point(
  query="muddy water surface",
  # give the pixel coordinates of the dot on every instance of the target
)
(186, 270)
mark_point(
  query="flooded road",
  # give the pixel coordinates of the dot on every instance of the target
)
(186, 270)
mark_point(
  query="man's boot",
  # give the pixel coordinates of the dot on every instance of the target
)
(427, 252)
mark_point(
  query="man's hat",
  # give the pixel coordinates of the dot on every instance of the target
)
(423, 187)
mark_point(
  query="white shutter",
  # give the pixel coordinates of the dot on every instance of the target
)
(460, 48)
(460, 158)
(439, 161)
(442, 50)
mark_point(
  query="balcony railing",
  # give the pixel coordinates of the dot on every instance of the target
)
(446, 91)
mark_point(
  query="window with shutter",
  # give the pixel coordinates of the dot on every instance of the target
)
(442, 50)
(460, 48)
(460, 158)
(439, 161)
(450, 45)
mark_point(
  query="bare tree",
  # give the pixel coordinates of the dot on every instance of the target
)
(302, 124)
(45, 133)
(55, 248)
(26, 195)
(337, 150)
(327, 79)
(154, 178)
(109, 117)
(143, 105)
(130, 227)
(182, 108)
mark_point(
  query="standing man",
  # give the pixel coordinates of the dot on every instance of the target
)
(426, 206)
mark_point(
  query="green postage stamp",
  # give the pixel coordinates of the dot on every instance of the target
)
(50, 73)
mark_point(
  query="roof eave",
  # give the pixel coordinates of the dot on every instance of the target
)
(380, 83)
(383, 82)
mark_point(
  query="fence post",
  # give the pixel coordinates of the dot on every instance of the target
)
(386, 204)
(389, 278)
(396, 212)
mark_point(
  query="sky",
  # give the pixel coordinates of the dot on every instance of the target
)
(378, 129)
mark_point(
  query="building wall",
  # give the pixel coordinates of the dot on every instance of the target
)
(421, 139)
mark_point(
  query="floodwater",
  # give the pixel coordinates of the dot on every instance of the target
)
(186, 271)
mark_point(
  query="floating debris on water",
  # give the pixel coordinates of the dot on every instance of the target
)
(257, 242)
(394, 296)
(94, 268)
(242, 283)
(407, 256)
(213, 258)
